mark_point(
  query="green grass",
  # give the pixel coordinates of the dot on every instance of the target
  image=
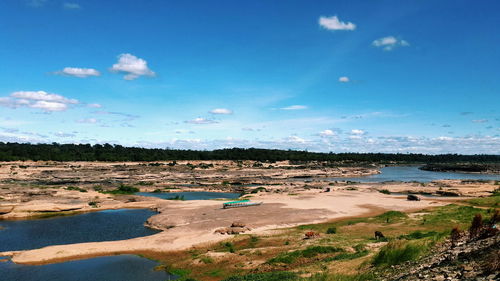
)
(267, 276)
(124, 189)
(340, 277)
(492, 201)
(309, 252)
(399, 251)
(423, 234)
(360, 249)
(76, 188)
(446, 217)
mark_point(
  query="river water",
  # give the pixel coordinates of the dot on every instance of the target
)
(413, 173)
(90, 227)
(99, 226)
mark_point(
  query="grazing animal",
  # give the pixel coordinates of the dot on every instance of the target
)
(311, 234)
(379, 235)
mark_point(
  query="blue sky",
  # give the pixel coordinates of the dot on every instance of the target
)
(364, 76)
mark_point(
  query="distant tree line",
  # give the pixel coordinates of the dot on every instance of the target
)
(108, 152)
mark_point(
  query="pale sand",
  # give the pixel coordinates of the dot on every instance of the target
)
(195, 222)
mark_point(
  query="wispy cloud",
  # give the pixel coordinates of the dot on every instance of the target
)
(36, 3)
(132, 66)
(294, 107)
(201, 121)
(88, 121)
(125, 116)
(71, 6)
(480, 121)
(333, 23)
(78, 72)
(344, 79)
(327, 133)
(221, 111)
(389, 43)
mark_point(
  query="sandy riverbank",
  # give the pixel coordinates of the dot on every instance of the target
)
(190, 223)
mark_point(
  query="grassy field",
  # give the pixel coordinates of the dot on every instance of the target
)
(344, 250)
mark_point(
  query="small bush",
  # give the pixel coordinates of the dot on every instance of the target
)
(331, 230)
(476, 225)
(124, 189)
(398, 251)
(384, 191)
(206, 260)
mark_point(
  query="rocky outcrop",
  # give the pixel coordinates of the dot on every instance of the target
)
(468, 260)
(235, 228)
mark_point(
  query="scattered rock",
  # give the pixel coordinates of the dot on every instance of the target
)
(235, 228)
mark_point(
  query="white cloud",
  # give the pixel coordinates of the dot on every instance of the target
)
(295, 139)
(94, 105)
(37, 99)
(344, 79)
(480, 121)
(327, 133)
(132, 66)
(294, 107)
(42, 96)
(88, 121)
(64, 135)
(357, 132)
(389, 43)
(223, 111)
(200, 121)
(78, 72)
(333, 23)
(71, 6)
(49, 106)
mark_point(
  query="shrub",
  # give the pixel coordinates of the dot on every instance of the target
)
(476, 226)
(396, 252)
(331, 230)
(124, 189)
(455, 235)
(384, 191)
(94, 204)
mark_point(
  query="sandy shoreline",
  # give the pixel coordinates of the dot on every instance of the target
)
(196, 221)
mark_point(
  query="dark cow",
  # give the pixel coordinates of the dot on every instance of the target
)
(379, 235)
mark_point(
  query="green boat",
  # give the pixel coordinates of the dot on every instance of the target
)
(240, 203)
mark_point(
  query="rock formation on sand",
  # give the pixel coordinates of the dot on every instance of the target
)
(236, 227)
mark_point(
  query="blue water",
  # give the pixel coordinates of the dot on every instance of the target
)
(195, 195)
(90, 227)
(413, 173)
(114, 268)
